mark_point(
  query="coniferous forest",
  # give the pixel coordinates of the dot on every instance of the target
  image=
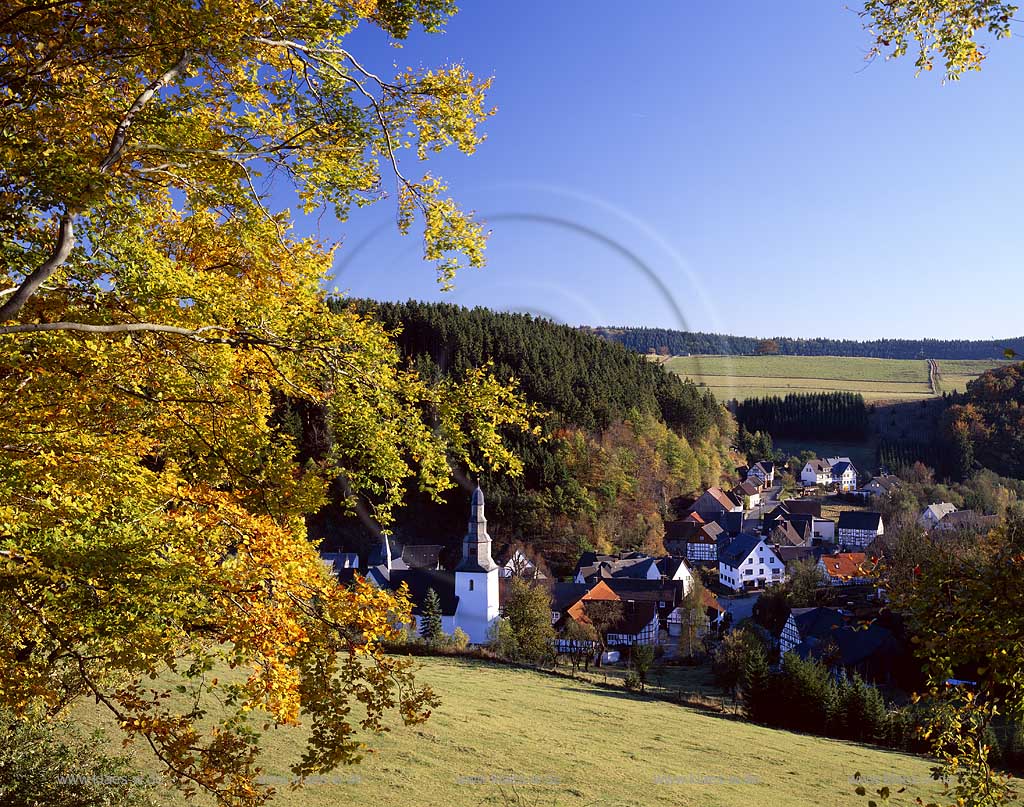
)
(683, 343)
(829, 415)
(621, 439)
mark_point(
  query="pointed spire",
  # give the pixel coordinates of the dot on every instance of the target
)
(476, 546)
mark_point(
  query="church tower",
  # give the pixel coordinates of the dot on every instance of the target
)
(476, 576)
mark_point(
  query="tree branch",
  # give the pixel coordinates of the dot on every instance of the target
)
(61, 250)
(66, 234)
(121, 132)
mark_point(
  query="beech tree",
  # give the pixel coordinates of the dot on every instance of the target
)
(154, 304)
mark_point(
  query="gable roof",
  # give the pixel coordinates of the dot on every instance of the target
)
(938, 510)
(669, 566)
(746, 488)
(859, 520)
(721, 497)
(886, 482)
(817, 465)
(739, 549)
(842, 467)
(765, 466)
(785, 534)
(636, 616)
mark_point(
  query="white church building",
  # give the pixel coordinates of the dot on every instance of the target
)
(469, 595)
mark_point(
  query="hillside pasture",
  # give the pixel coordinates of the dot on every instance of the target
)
(507, 736)
(878, 380)
(954, 374)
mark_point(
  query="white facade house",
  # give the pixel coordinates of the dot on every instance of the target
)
(749, 562)
(844, 475)
(816, 472)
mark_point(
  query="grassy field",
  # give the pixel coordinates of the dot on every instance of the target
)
(954, 374)
(876, 379)
(513, 737)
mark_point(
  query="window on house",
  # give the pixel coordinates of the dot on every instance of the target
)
(471, 585)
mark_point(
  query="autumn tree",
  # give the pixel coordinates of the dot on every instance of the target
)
(155, 307)
(528, 611)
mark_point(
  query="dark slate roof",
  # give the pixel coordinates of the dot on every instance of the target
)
(788, 554)
(808, 507)
(859, 520)
(817, 622)
(739, 549)
(424, 556)
(564, 595)
(765, 466)
(731, 523)
(841, 468)
(419, 580)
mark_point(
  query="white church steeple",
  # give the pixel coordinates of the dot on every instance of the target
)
(476, 576)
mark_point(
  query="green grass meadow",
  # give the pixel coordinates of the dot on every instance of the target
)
(504, 736)
(878, 380)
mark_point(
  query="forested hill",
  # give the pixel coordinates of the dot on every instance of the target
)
(682, 343)
(588, 382)
(622, 442)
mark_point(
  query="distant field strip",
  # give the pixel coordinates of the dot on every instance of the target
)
(835, 368)
(756, 376)
(954, 374)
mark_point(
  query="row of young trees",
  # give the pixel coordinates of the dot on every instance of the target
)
(818, 415)
(683, 343)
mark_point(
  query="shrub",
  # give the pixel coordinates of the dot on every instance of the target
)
(459, 639)
(48, 762)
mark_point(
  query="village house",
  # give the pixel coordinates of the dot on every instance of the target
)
(837, 471)
(965, 521)
(858, 528)
(592, 566)
(693, 539)
(816, 472)
(880, 486)
(714, 502)
(934, 513)
(763, 473)
(844, 474)
(749, 562)
(749, 493)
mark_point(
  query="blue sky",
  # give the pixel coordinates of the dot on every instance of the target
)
(719, 165)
